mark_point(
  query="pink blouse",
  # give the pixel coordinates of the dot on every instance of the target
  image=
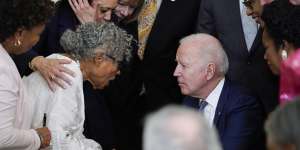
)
(290, 77)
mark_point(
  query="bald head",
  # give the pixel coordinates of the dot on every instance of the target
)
(208, 49)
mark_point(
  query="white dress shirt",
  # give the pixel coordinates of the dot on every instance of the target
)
(64, 109)
(250, 27)
(212, 100)
(15, 109)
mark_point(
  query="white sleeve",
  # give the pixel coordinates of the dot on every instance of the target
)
(10, 136)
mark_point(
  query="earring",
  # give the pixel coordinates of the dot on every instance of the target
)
(284, 54)
(17, 43)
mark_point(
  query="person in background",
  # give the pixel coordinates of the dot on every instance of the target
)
(179, 128)
(22, 22)
(282, 127)
(273, 16)
(95, 51)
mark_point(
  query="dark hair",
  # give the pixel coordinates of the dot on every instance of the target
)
(291, 28)
(273, 16)
(16, 14)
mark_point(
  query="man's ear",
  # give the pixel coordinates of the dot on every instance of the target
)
(210, 71)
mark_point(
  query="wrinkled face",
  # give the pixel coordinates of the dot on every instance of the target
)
(190, 71)
(104, 9)
(102, 70)
(125, 8)
(254, 9)
(29, 38)
(271, 54)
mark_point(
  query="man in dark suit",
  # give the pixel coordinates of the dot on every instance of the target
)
(238, 117)
(241, 39)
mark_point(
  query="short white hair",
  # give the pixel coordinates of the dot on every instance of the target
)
(211, 50)
(179, 128)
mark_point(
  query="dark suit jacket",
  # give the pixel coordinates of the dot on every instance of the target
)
(222, 19)
(98, 122)
(174, 20)
(238, 118)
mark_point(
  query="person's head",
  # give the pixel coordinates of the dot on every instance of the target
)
(21, 23)
(291, 31)
(273, 35)
(126, 8)
(178, 128)
(254, 9)
(282, 127)
(201, 62)
(104, 9)
(100, 48)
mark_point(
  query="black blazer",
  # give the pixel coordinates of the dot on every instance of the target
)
(238, 118)
(222, 19)
(174, 20)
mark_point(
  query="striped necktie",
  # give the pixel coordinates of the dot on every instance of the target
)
(202, 105)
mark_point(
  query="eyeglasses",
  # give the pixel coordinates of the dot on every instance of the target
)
(248, 3)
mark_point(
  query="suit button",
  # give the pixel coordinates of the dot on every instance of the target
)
(248, 62)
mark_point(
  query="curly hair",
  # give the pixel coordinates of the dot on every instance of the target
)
(291, 26)
(273, 16)
(16, 14)
(113, 41)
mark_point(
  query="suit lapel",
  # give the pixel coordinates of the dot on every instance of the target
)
(221, 104)
(257, 41)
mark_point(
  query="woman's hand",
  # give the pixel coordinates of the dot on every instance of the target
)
(53, 71)
(45, 136)
(83, 10)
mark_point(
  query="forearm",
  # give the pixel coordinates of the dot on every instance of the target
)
(19, 139)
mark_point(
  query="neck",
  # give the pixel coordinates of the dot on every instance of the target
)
(209, 87)
(8, 46)
(83, 66)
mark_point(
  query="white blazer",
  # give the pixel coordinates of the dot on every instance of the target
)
(15, 110)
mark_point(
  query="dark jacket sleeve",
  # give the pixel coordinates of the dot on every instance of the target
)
(206, 23)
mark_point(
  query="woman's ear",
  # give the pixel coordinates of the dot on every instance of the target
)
(289, 47)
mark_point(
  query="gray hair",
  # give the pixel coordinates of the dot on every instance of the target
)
(283, 123)
(92, 38)
(211, 50)
(179, 128)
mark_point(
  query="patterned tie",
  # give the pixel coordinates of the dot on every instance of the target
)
(202, 105)
(145, 22)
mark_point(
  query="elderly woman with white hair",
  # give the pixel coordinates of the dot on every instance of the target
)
(95, 51)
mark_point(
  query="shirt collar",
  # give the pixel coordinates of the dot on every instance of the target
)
(213, 98)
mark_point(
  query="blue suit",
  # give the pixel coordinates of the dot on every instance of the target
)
(238, 118)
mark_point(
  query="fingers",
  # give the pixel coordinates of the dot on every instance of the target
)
(55, 73)
(66, 70)
(51, 84)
